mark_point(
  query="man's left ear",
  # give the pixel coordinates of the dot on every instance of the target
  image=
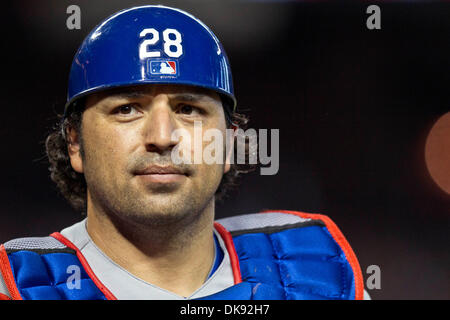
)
(74, 150)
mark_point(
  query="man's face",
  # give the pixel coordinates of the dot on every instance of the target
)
(127, 143)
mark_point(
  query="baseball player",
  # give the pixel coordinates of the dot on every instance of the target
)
(149, 230)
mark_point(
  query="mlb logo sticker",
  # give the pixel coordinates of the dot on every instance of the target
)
(163, 67)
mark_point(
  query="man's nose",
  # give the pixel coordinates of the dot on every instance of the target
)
(159, 126)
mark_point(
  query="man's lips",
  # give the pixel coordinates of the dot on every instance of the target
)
(160, 170)
(161, 174)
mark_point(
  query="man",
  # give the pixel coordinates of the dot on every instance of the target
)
(140, 76)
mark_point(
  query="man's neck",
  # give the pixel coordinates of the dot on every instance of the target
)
(177, 259)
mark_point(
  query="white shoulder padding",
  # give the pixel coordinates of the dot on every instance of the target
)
(34, 243)
(259, 220)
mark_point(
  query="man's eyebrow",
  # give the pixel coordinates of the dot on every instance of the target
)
(127, 94)
(190, 97)
(182, 96)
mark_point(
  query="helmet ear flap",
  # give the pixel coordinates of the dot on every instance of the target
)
(150, 45)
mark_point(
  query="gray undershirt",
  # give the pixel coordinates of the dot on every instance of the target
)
(125, 286)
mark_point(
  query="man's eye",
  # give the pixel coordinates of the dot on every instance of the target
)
(187, 109)
(126, 109)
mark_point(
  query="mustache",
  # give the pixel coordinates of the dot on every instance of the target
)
(142, 163)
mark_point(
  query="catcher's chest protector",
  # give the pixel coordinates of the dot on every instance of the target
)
(275, 256)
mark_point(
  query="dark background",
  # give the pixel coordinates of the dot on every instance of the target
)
(354, 107)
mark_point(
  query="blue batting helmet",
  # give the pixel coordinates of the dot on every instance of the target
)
(150, 45)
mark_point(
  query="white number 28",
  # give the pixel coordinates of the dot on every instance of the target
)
(169, 43)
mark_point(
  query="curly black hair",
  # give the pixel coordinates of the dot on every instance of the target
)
(72, 185)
